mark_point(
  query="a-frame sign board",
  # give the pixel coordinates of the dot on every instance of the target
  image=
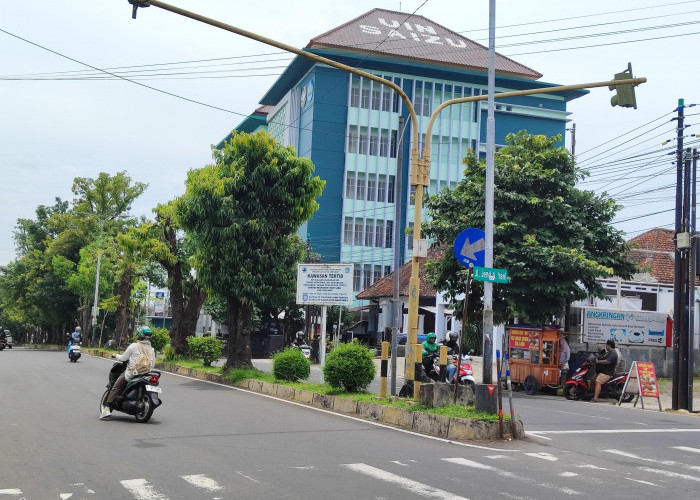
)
(641, 380)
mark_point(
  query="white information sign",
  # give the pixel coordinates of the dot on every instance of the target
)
(325, 284)
(624, 327)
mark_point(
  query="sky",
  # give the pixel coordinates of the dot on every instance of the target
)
(186, 85)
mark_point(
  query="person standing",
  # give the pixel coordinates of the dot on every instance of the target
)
(564, 356)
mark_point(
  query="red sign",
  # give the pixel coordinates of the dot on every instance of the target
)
(523, 338)
(491, 388)
(646, 375)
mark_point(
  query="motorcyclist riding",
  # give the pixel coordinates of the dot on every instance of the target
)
(452, 345)
(299, 339)
(430, 347)
(132, 353)
(76, 336)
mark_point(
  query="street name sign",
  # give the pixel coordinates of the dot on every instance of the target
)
(325, 284)
(490, 274)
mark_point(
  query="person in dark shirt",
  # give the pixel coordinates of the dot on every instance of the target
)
(605, 367)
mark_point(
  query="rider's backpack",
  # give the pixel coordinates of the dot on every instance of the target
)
(143, 362)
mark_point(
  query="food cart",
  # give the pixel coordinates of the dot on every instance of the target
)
(533, 356)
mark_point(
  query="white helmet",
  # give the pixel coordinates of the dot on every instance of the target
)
(77, 329)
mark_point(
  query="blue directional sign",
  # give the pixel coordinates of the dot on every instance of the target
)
(470, 247)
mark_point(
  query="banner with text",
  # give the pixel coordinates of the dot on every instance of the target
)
(624, 327)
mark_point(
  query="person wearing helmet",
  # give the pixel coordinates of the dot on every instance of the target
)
(453, 350)
(76, 336)
(299, 339)
(430, 348)
(132, 353)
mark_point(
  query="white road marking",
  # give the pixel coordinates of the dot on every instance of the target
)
(404, 482)
(543, 456)
(65, 496)
(568, 474)
(304, 467)
(247, 477)
(496, 457)
(592, 466)
(505, 473)
(643, 482)
(202, 481)
(399, 462)
(668, 473)
(11, 491)
(142, 490)
(687, 448)
(612, 431)
(660, 462)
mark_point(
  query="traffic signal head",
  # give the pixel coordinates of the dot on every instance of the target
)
(624, 95)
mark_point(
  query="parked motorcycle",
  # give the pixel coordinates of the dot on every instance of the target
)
(74, 351)
(3, 344)
(464, 377)
(581, 386)
(140, 397)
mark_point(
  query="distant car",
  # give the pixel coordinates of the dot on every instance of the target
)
(403, 338)
(8, 338)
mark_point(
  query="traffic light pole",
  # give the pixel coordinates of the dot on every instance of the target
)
(420, 163)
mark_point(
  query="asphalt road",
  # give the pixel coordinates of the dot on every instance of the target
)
(215, 442)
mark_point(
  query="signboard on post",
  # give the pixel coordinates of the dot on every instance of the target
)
(624, 327)
(470, 247)
(324, 284)
(641, 380)
(491, 274)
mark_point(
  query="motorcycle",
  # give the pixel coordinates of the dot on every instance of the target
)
(465, 375)
(140, 397)
(3, 344)
(304, 348)
(581, 386)
(74, 351)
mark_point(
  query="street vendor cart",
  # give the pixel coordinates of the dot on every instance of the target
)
(533, 355)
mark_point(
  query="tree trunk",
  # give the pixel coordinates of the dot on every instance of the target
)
(121, 328)
(239, 318)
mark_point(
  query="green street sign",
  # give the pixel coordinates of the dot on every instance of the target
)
(490, 274)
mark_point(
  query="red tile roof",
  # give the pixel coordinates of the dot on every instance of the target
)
(414, 37)
(654, 252)
(385, 286)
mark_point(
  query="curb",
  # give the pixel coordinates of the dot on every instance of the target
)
(455, 429)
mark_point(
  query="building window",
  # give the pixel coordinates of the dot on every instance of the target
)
(377, 273)
(364, 103)
(373, 145)
(347, 233)
(364, 144)
(376, 97)
(388, 234)
(394, 143)
(367, 275)
(369, 234)
(387, 270)
(391, 189)
(350, 186)
(361, 191)
(379, 234)
(409, 236)
(353, 141)
(381, 189)
(354, 96)
(356, 278)
(386, 100)
(358, 234)
(371, 189)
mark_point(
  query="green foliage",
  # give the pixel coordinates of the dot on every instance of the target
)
(160, 339)
(169, 354)
(350, 366)
(208, 349)
(554, 239)
(291, 365)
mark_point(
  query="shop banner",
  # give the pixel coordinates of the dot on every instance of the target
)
(641, 380)
(523, 338)
(624, 327)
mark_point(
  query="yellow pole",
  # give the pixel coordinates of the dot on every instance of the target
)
(384, 370)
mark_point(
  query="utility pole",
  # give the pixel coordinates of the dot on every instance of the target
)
(397, 308)
(678, 294)
(307, 309)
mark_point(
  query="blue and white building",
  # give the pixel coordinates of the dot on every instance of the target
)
(349, 126)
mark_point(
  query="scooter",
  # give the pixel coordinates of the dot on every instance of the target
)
(140, 397)
(466, 373)
(581, 386)
(74, 351)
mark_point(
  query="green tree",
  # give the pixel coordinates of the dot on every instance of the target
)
(242, 213)
(554, 239)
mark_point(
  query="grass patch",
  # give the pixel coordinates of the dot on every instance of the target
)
(196, 364)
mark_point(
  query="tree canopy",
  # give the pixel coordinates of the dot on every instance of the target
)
(554, 239)
(241, 214)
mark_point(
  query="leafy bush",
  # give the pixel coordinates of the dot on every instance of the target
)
(206, 348)
(170, 354)
(290, 365)
(160, 339)
(349, 366)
